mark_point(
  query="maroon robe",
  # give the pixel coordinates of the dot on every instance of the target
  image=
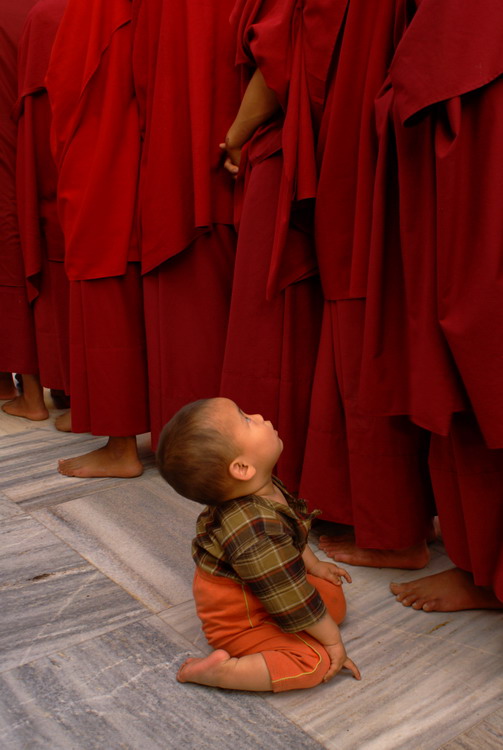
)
(36, 180)
(442, 272)
(17, 336)
(276, 302)
(96, 142)
(187, 91)
(369, 472)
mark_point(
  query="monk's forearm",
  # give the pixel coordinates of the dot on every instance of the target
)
(258, 105)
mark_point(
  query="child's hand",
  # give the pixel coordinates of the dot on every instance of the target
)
(231, 164)
(340, 660)
(329, 571)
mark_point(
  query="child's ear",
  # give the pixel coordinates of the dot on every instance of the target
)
(241, 470)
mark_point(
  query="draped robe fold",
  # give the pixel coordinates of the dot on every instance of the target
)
(187, 91)
(276, 301)
(18, 352)
(435, 299)
(42, 240)
(96, 143)
(362, 470)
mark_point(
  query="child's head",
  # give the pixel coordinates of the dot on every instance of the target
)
(210, 451)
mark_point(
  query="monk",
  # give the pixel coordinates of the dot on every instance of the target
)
(445, 88)
(18, 351)
(276, 303)
(36, 179)
(183, 60)
(96, 143)
(366, 472)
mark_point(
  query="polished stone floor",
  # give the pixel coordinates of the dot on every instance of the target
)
(96, 615)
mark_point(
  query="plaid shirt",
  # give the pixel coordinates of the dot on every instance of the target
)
(259, 542)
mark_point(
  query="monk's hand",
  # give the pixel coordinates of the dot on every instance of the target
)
(330, 572)
(340, 660)
(233, 158)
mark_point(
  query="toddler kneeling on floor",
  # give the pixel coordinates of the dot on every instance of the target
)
(268, 606)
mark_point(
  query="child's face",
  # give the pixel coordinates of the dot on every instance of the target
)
(253, 436)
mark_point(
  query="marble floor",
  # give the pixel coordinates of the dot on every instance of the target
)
(96, 615)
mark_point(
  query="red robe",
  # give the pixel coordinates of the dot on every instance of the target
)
(96, 143)
(36, 180)
(276, 302)
(17, 336)
(365, 471)
(445, 89)
(187, 91)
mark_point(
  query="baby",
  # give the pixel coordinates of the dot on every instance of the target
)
(268, 606)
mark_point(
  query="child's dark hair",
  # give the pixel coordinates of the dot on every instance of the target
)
(193, 456)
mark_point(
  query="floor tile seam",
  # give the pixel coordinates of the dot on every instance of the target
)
(106, 630)
(313, 735)
(93, 489)
(191, 647)
(148, 609)
(173, 607)
(470, 729)
(425, 635)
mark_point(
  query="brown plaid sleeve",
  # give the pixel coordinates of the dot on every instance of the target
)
(259, 545)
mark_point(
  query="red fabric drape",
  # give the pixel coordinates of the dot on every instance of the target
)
(36, 181)
(95, 137)
(188, 95)
(291, 42)
(17, 338)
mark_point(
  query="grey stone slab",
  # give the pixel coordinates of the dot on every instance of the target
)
(488, 735)
(28, 466)
(8, 508)
(138, 534)
(415, 692)
(183, 618)
(119, 692)
(49, 596)
(370, 596)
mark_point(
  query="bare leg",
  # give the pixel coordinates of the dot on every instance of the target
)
(30, 403)
(450, 591)
(219, 669)
(412, 558)
(63, 423)
(118, 458)
(7, 388)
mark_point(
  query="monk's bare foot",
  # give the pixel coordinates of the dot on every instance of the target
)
(412, 558)
(30, 403)
(22, 407)
(8, 390)
(63, 423)
(202, 670)
(118, 458)
(450, 591)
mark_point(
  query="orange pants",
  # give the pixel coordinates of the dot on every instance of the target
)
(234, 619)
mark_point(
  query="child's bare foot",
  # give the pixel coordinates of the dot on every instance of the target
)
(412, 558)
(118, 458)
(8, 390)
(220, 669)
(21, 406)
(450, 591)
(203, 670)
(63, 423)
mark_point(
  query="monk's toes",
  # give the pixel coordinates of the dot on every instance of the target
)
(419, 604)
